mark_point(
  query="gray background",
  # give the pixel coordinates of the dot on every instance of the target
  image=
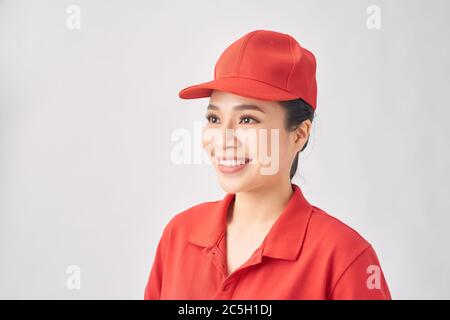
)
(86, 118)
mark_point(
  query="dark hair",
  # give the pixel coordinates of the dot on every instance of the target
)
(297, 111)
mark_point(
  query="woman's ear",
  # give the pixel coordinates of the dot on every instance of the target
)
(301, 134)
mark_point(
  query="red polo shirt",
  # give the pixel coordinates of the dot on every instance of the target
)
(307, 254)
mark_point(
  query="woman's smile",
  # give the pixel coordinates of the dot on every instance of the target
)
(231, 165)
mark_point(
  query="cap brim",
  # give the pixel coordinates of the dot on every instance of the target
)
(240, 86)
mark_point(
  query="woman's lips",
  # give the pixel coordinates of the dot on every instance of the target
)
(232, 165)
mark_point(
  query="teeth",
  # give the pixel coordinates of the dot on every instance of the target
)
(231, 163)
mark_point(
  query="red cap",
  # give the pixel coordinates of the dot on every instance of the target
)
(265, 65)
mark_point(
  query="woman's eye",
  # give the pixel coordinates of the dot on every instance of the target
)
(212, 119)
(248, 120)
(243, 119)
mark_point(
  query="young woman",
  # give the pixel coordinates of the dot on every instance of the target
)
(263, 240)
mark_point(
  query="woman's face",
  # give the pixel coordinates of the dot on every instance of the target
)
(248, 143)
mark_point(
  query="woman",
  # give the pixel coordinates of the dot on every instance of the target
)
(263, 240)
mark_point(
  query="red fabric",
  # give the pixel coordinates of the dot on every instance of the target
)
(307, 254)
(264, 65)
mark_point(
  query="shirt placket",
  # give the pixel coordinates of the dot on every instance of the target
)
(229, 283)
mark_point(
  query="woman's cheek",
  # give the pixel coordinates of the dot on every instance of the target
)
(208, 140)
(253, 151)
(270, 152)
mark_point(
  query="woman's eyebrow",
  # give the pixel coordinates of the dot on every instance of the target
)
(239, 107)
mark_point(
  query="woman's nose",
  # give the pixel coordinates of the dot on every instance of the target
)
(228, 135)
(220, 137)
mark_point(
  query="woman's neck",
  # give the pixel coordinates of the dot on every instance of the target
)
(259, 206)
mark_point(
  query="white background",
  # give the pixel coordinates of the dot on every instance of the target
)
(86, 118)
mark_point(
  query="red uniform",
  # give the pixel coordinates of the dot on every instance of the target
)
(307, 254)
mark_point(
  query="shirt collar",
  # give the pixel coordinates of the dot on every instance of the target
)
(285, 238)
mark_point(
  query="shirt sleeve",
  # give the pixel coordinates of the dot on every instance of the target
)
(155, 279)
(363, 279)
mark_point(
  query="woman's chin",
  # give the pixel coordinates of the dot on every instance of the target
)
(234, 181)
(231, 185)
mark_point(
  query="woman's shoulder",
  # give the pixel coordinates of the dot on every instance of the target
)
(331, 232)
(194, 213)
(352, 263)
(182, 222)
